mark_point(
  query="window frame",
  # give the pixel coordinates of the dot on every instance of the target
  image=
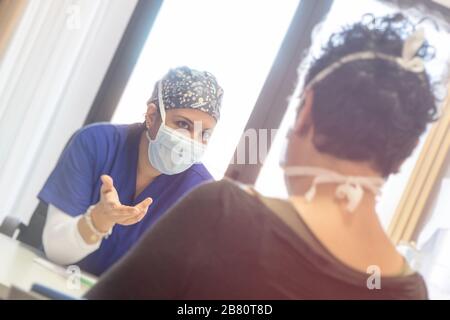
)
(411, 211)
(280, 84)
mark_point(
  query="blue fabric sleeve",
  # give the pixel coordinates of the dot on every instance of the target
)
(70, 185)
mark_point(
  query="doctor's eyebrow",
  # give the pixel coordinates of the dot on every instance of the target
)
(184, 118)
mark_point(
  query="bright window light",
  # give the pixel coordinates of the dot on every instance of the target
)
(235, 40)
(271, 182)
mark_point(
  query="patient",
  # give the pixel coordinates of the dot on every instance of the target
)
(365, 103)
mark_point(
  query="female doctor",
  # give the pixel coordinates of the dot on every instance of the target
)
(109, 175)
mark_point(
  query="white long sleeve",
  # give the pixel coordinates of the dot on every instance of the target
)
(63, 243)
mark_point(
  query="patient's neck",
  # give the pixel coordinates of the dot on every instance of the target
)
(347, 235)
(298, 186)
(326, 210)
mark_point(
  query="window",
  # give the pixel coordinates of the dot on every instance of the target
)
(270, 181)
(235, 40)
(434, 262)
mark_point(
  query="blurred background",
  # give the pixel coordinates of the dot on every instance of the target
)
(68, 63)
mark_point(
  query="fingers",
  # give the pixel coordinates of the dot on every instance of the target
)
(107, 183)
(135, 219)
(131, 219)
(108, 191)
(117, 212)
(127, 215)
(144, 204)
(124, 212)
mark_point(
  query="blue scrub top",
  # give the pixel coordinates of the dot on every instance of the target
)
(75, 183)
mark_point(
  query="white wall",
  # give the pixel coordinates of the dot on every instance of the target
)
(48, 80)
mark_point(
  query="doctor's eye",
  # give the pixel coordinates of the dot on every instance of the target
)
(183, 125)
(206, 135)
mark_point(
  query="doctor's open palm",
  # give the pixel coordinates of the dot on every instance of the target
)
(109, 211)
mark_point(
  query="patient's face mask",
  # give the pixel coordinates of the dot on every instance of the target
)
(350, 188)
(172, 152)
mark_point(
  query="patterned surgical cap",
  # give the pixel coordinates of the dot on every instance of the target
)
(183, 87)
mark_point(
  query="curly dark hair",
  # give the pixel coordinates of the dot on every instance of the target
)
(371, 110)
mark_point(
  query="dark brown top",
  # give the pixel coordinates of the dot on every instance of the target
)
(220, 242)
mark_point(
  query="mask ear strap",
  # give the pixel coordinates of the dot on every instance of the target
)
(162, 110)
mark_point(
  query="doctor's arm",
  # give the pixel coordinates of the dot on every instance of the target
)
(62, 241)
(68, 239)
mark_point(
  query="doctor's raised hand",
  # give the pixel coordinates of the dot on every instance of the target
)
(108, 212)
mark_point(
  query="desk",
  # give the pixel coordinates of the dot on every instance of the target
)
(18, 268)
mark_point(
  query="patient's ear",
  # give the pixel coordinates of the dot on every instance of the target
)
(303, 123)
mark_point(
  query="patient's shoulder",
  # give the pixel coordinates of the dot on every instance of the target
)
(226, 201)
(224, 190)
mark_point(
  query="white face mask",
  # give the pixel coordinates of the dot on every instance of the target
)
(349, 187)
(172, 152)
